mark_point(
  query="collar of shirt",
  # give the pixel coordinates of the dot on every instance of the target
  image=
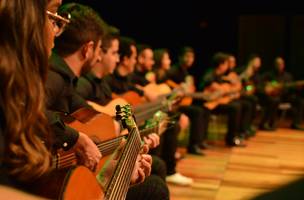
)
(58, 65)
(119, 77)
(140, 73)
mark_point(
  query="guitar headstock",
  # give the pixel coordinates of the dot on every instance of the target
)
(172, 101)
(159, 121)
(125, 115)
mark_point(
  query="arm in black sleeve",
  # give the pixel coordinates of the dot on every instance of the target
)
(77, 102)
(84, 88)
(64, 136)
(135, 89)
(53, 88)
(206, 81)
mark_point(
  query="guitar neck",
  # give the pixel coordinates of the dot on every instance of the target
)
(107, 147)
(198, 95)
(147, 131)
(146, 111)
(293, 84)
(119, 183)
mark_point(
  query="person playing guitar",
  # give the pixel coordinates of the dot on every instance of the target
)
(101, 94)
(213, 82)
(62, 79)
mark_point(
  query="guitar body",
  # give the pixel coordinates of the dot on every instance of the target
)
(98, 126)
(67, 184)
(81, 184)
(130, 97)
(249, 88)
(154, 91)
(275, 88)
(71, 160)
(224, 98)
(108, 109)
(186, 101)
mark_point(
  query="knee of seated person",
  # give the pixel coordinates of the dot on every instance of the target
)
(151, 189)
(158, 188)
(159, 167)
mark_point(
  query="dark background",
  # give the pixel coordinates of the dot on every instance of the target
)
(268, 28)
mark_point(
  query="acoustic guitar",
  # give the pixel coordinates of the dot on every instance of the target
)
(117, 187)
(275, 88)
(212, 98)
(72, 182)
(131, 97)
(99, 127)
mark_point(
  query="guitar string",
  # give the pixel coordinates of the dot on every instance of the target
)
(127, 167)
(114, 182)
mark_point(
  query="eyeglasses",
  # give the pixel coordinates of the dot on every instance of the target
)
(59, 22)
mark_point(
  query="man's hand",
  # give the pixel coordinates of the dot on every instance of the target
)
(87, 151)
(142, 167)
(152, 140)
(184, 121)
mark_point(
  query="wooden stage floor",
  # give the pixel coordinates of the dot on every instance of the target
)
(270, 160)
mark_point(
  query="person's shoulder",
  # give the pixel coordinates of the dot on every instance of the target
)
(83, 84)
(82, 81)
(240, 69)
(53, 77)
(208, 75)
(174, 68)
(108, 78)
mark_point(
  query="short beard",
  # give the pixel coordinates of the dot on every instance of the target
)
(86, 67)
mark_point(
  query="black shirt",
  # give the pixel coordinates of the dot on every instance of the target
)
(5, 179)
(94, 89)
(177, 74)
(283, 77)
(139, 78)
(161, 76)
(121, 84)
(209, 78)
(257, 79)
(61, 97)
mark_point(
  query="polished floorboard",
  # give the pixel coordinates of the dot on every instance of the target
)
(270, 160)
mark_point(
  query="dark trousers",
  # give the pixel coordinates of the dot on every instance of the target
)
(199, 119)
(233, 112)
(270, 107)
(151, 189)
(167, 148)
(253, 100)
(159, 167)
(247, 110)
(297, 108)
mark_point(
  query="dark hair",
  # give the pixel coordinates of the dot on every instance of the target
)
(107, 41)
(142, 47)
(158, 56)
(85, 26)
(218, 59)
(125, 44)
(23, 67)
(185, 50)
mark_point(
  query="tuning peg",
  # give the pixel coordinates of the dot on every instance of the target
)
(118, 108)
